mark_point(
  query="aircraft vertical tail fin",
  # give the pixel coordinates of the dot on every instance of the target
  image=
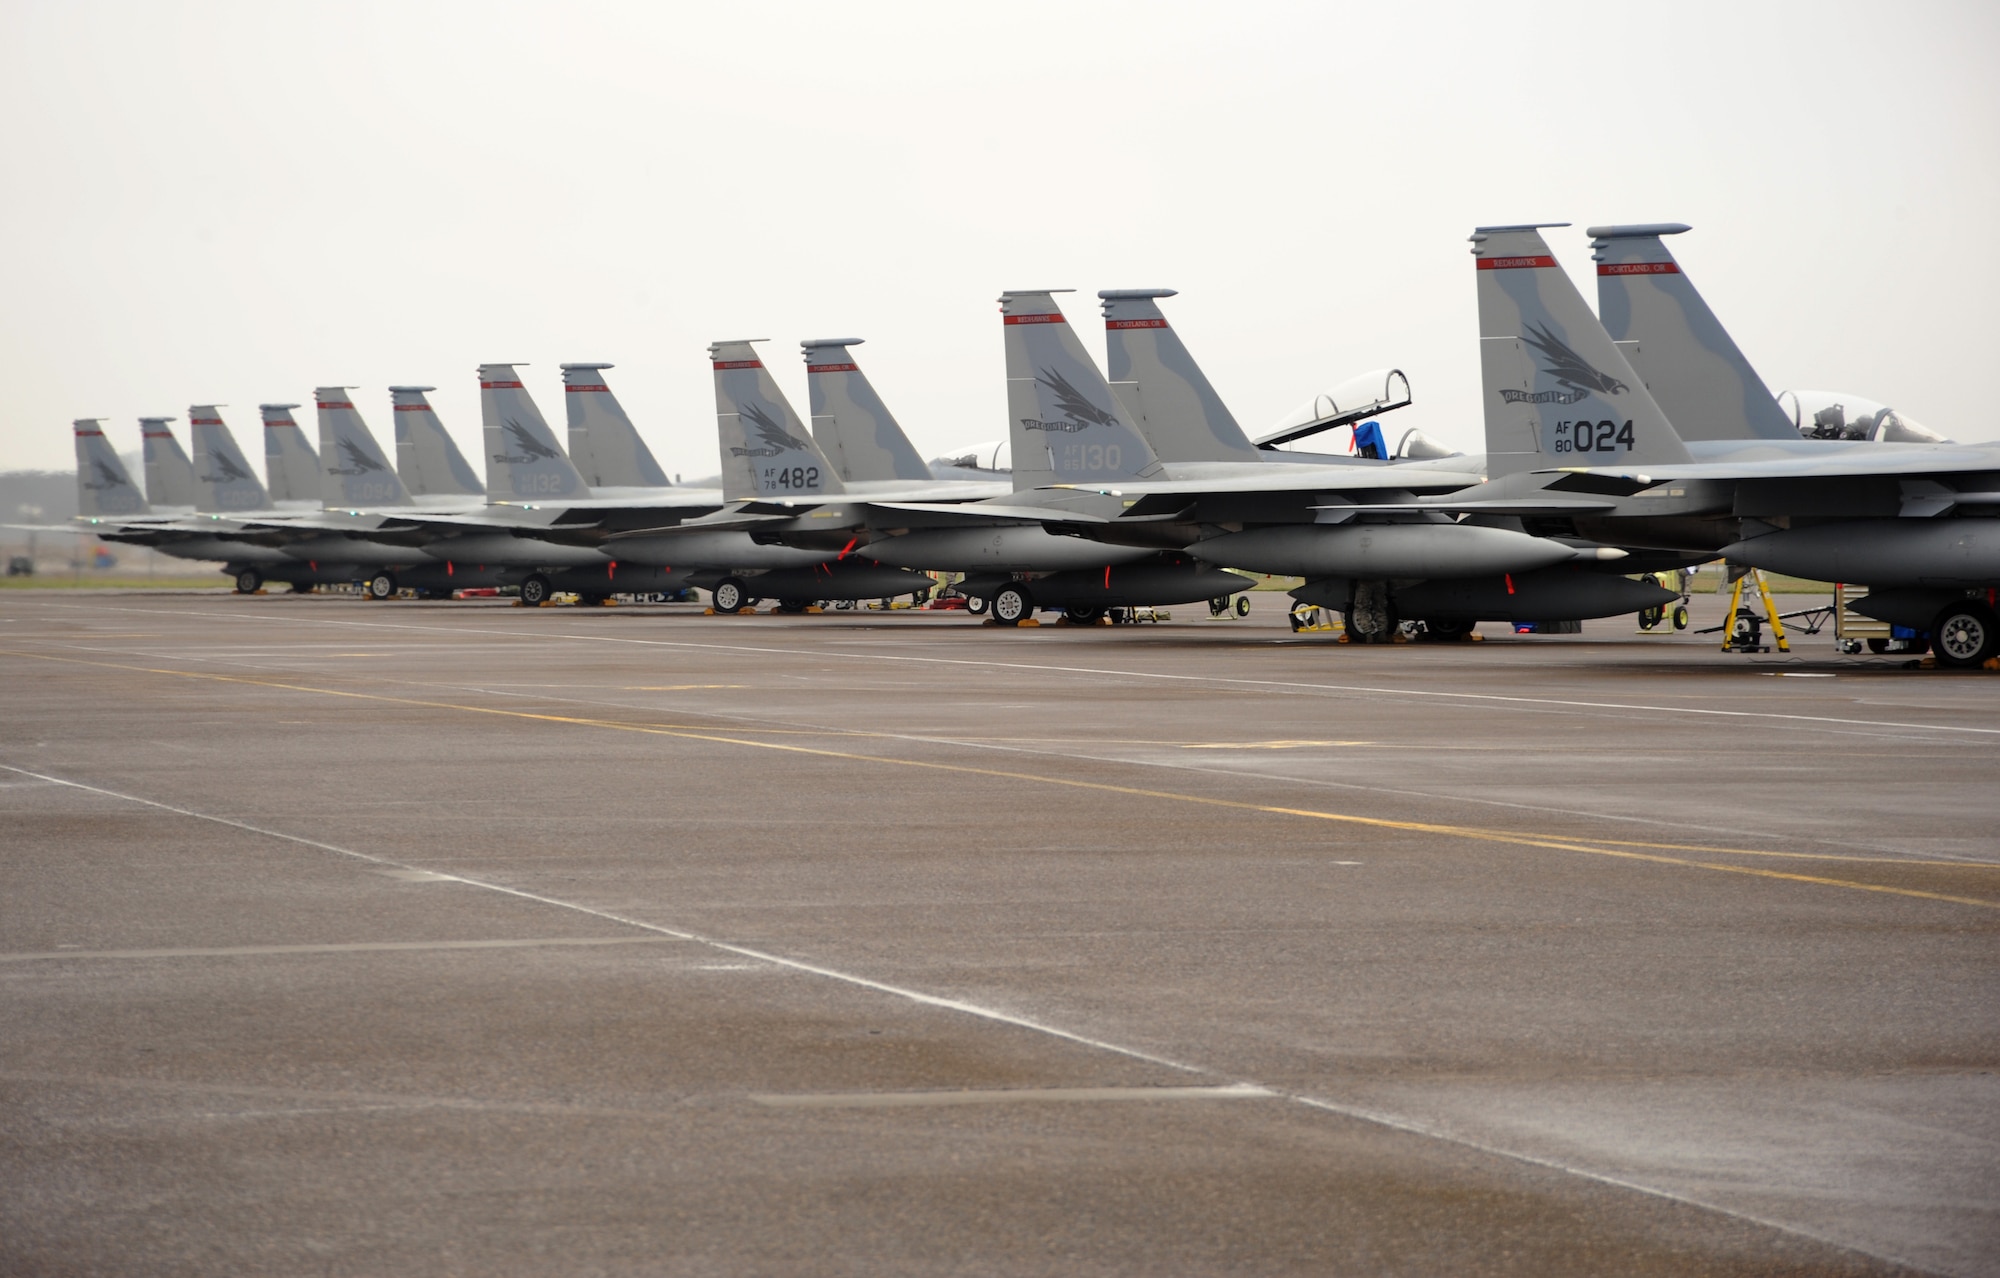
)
(222, 474)
(1065, 424)
(427, 457)
(291, 467)
(1556, 389)
(169, 473)
(766, 450)
(603, 444)
(103, 486)
(851, 424)
(1694, 369)
(357, 472)
(1183, 418)
(523, 459)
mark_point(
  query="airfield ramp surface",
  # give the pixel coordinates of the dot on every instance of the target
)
(444, 938)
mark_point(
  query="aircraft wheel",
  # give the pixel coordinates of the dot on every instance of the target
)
(249, 581)
(794, 605)
(383, 586)
(1242, 605)
(1083, 614)
(1650, 617)
(535, 591)
(1878, 646)
(302, 587)
(1965, 635)
(592, 599)
(1218, 605)
(1013, 605)
(1746, 628)
(1680, 616)
(730, 594)
(975, 604)
(1444, 632)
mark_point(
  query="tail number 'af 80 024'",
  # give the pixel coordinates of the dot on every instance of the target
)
(1593, 437)
(1093, 457)
(791, 478)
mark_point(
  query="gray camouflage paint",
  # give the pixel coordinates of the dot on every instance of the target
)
(523, 459)
(1182, 416)
(356, 472)
(427, 458)
(1694, 369)
(1556, 389)
(169, 474)
(851, 424)
(1065, 424)
(766, 450)
(603, 444)
(222, 473)
(103, 487)
(291, 467)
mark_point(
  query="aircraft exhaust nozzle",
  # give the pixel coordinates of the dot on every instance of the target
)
(1381, 552)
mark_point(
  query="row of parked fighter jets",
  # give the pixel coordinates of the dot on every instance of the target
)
(1638, 442)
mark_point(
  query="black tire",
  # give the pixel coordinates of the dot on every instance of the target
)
(1242, 605)
(1083, 614)
(1680, 616)
(1444, 632)
(1013, 604)
(537, 590)
(1650, 617)
(730, 595)
(1746, 628)
(1218, 606)
(249, 581)
(302, 587)
(1297, 619)
(1965, 636)
(382, 586)
(593, 599)
(794, 605)
(1878, 646)
(977, 604)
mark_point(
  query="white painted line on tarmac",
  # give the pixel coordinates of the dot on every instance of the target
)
(1009, 1096)
(1379, 1118)
(357, 947)
(1293, 685)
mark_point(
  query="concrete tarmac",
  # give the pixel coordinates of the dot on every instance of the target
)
(459, 938)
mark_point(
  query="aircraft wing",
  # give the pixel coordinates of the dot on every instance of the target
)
(1878, 462)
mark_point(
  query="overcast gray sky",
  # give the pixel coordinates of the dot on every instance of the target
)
(236, 202)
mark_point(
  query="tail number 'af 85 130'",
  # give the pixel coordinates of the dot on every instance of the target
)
(791, 478)
(1593, 437)
(1093, 457)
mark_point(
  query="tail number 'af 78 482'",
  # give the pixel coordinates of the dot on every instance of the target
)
(1593, 437)
(791, 477)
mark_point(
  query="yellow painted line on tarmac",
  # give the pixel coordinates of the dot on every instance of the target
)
(1266, 745)
(1559, 843)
